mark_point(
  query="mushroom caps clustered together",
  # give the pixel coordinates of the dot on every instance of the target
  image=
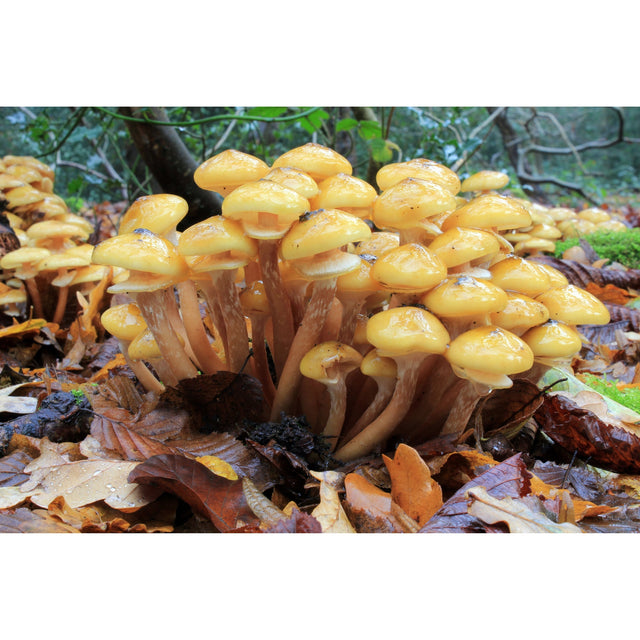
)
(418, 278)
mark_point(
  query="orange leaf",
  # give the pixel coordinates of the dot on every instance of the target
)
(24, 327)
(412, 486)
(609, 293)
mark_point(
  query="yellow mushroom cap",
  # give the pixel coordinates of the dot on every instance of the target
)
(53, 229)
(489, 210)
(24, 260)
(406, 203)
(520, 275)
(313, 244)
(90, 273)
(553, 340)
(421, 169)
(144, 346)
(485, 181)
(521, 312)
(376, 366)
(23, 195)
(546, 231)
(24, 173)
(556, 278)
(460, 296)
(152, 261)
(220, 237)
(8, 181)
(534, 246)
(576, 227)
(405, 330)
(594, 214)
(488, 355)
(378, 243)
(79, 221)
(30, 161)
(573, 305)
(328, 361)
(266, 209)
(612, 225)
(409, 268)
(123, 321)
(228, 170)
(359, 280)
(346, 192)
(460, 245)
(159, 213)
(318, 161)
(295, 179)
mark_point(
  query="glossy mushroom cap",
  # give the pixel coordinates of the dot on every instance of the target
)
(314, 244)
(254, 299)
(409, 268)
(265, 209)
(553, 340)
(295, 179)
(24, 261)
(520, 275)
(462, 296)
(421, 169)
(153, 262)
(460, 245)
(51, 233)
(318, 161)
(25, 194)
(328, 361)
(520, 313)
(573, 305)
(144, 346)
(219, 242)
(123, 321)
(406, 330)
(489, 211)
(405, 204)
(485, 181)
(376, 366)
(378, 243)
(159, 213)
(347, 193)
(228, 170)
(489, 355)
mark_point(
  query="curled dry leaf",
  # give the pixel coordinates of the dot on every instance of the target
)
(412, 486)
(329, 512)
(524, 515)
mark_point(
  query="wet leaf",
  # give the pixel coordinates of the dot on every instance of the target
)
(297, 522)
(521, 516)
(219, 500)
(12, 468)
(26, 521)
(507, 479)
(609, 293)
(578, 429)
(412, 486)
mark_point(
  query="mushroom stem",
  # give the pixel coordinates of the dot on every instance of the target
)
(61, 305)
(216, 316)
(306, 336)
(237, 347)
(208, 359)
(279, 303)
(261, 362)
(155, 315)
(338, 407)
(381, 428)
(464, 404)
(34, 296)
(140, 370)
(173, 312)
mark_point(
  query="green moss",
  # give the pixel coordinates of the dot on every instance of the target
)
(629, 397)
(617, 246)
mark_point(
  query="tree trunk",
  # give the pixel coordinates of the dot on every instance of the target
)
(171, 164)
(512, 147)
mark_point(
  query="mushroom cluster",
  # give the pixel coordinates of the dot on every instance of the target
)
(376, 313)
(46, 260)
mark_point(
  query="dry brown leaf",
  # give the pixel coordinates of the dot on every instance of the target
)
(412, 486)
(329, 512)
(520, 515)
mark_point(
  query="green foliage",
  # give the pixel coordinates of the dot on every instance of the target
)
(617, 246)
(629, 397)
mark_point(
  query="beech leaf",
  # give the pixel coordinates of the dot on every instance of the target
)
(329, 512)
(520, 517)
(412, 486)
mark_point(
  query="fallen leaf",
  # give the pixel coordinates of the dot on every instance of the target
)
(297, 522)
(26, 521)
(219, 500)
(520, 516)
(372, 510)
(412, 486)
(329, 512)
